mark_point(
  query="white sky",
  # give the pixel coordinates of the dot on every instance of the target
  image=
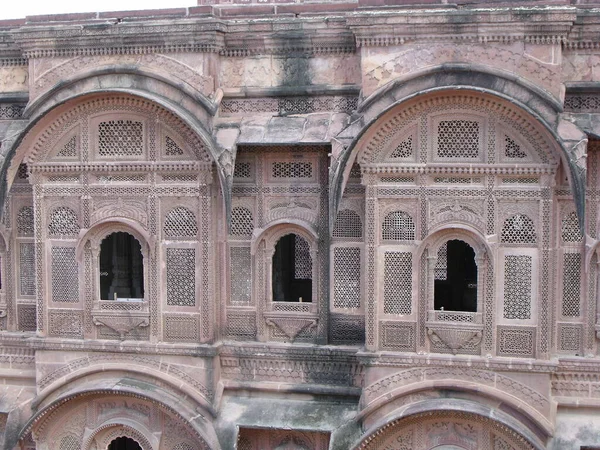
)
(17, 9)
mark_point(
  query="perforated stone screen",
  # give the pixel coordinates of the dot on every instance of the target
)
(518, 229)
(570, 231)
(346, 277)
(27, 268)
(70, 442)
(571, 285)
(404, 149)
(441, 265)
(65, 278)
(242, 222)
(243, 169)
(241, 274)
(517, 286)
(302, 259)
(25, 221)
(63, 222)
(512, 149)
(347, 224)
(458, 139)
(69, 150)
(397, 284)
(181, 277)
(121, 138)
(180, 222)
(398, 226)
(171, 147)
(284, 169)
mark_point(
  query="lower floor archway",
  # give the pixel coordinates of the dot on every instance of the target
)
(124, 443)
(444, 430)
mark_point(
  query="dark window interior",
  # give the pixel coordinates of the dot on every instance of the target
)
(121, 267)
(286, 286)
(124, 443)
(458, 291)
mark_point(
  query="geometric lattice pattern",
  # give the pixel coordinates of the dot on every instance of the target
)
(398, 226)
(292, 170)
(241, 326)
(346, 277)
(347, 224)
(404, 149)
(517, 287)
(171, 147)
(65, 277)
(181, 276)
(458, 139)
(441, 265)
(512, 149)
(25, 221)
(242, 222)
(26, 315)
(570, 338)
(69, 150)
(397, 284)
(70, 442)
(63, 222)
(397, 336)
(242, 170)
(120, 138)
(240, 274)
(181, 328)
(302, 259)
(518, 342)
(571, 299)
(518, 229)
(570, 230)
(180, 222)
(65, 323)
(184, 446)
(27, 268)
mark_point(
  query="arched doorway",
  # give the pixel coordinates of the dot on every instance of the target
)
(124, 443)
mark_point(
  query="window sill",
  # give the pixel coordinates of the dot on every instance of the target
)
(121, 316)
(455, 329)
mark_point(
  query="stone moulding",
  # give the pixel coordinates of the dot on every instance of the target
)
(291, 325)
(454, 329)
(122, 321)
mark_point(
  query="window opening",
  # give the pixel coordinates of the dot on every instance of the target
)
(121, 268)
(292, 270)
(124, 443)
(455, 284)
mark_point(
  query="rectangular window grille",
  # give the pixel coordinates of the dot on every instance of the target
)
(458, 139)
(517, 286)
(242, 170)
(346, 277)
(302, 260)
(65, 279)
(120, 138)
(441, 265)
(27, 268)
(397, 284)
(284, 169)
(241, 274)
(571, 285)
(181, 277)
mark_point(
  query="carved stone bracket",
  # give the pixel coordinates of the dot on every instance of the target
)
(292, 326)
(455, 336)
(122, 322)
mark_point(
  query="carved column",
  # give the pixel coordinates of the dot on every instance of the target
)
(372, 225)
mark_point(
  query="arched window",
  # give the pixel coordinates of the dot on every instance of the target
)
(292, 270)
(455, 278)
(398, 226)
(518, 229)
(180, 222)
(121, 268)
(124, 443)
(347, 224)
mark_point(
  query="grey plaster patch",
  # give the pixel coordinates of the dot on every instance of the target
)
(316, 127)
(284, 129)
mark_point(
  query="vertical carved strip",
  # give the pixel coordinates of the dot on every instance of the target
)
(488, 340)
(324, 255)
(153, 269)
(89, 289)
(260, 262)
(39, 258)
(8, 279)
(371, 331)
(207, 282)
(592, 305)
(423, 299)
(546, 306)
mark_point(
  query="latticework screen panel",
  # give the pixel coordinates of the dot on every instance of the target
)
(512, 149)
(242, 222)
(571, 286)
(70, 442)
(302, 259)
(243, 170)
(397, 336)
(284, 169)
(181, 277)
(26, 318)
(518, 229)
(518, 342)
(404, 149)
(63, 222)
(517, 286)
(241, 326)
(180, 222)
(69, 149)
(171, 147)
(570, 338)
(120, 138)
(440, 271)
(398, 226)
(65, 277)
(346, 278)
(570, 231)
(458, 139)
(27, 268)
(347, 224)
(241, 275)
(346, 329)
(181, 328)
(397, 284)
(25, 221)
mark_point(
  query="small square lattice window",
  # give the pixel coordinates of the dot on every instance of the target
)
(241, 274)
(70, 442)
(171, 147)
(120, 138)
(27, 268)
(25, 221)
(22, 172)
(347, 224)
(518, 229)
(441, 265)
(181, 277)
(242, 222)
(398, 226)
(292, 170)
(404, 149)
(180, 222)
(69, 150)
(302, 259)
(63, 222)
(458, 139)
(570, 228)
(242, 170)
(571, 285)
(517, 286)
(65, 278)
(346, 277)
(397, 283)
(512, 149)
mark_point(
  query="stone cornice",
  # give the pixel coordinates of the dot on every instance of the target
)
(120, 166)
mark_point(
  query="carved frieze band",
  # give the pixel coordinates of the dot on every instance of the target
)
(582, 103)
(11, 111)
(290, 105)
